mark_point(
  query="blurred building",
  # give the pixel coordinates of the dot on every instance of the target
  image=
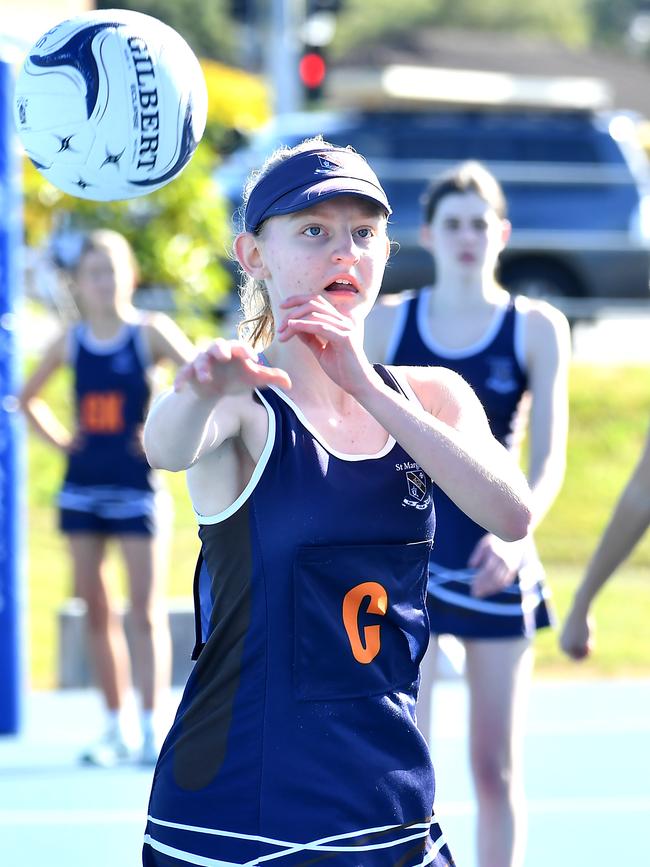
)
(626, 75)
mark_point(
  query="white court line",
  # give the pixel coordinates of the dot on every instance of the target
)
(443, 808)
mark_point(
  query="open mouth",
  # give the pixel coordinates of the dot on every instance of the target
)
(341, 286)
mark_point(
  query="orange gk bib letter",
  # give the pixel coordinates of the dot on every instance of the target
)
(366, 650)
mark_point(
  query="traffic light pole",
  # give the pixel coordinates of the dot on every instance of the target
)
(283, 53)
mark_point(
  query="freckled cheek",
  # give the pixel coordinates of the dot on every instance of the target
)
(291, 281)
(300, 284)
(304, 272)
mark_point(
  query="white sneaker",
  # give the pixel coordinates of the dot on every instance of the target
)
(107, 752)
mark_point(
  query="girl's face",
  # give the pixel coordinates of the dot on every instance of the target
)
(337, 249)
(465, 234)
(105, 280)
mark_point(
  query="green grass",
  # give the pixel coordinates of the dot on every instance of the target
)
(610, 414)
(621, 613)
(610, 410)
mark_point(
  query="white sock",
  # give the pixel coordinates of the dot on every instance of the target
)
(115, 722)
(147, 722)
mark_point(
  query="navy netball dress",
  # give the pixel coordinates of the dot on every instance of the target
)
(295, 741)
(495, 368)
(109, 486)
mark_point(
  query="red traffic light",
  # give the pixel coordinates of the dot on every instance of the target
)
(312, 69)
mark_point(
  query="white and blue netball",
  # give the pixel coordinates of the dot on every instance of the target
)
(110, 105)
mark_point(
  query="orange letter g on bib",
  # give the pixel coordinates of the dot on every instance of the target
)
(366, 650)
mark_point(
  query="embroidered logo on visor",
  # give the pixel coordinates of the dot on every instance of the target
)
(327, 166)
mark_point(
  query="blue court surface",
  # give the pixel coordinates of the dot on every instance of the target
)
(587, 780)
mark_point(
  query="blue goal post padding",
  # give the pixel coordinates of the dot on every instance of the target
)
(12, 485)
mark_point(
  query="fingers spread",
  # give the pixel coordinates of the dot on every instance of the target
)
(228, 366)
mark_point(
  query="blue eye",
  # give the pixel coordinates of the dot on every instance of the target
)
(365, 232)
(313, 231)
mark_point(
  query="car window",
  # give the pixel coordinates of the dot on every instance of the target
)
(537, 149)
(372, 143)
(495, 137)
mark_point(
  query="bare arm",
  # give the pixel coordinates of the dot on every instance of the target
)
(548, 349)
(38, 413)
(207, 406)
(629, 521)
(450, 439)
(167, 342)
(380, 324)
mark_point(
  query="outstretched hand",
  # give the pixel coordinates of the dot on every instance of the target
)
(228, 367)
(333, 337)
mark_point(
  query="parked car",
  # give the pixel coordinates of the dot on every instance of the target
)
(577, 184)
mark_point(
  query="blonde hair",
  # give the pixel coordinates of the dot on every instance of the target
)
(257, 326)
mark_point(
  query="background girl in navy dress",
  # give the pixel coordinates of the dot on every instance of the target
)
(310, 471)
(109, 490)
(489, 593)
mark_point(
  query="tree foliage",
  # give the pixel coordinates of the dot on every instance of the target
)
(610, 20)
(205, 24)
(565, 20)
(237, 103)
(209, 28)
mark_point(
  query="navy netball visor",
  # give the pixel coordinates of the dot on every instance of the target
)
(311, 177)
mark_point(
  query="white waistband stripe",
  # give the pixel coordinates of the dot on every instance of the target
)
(416, 831)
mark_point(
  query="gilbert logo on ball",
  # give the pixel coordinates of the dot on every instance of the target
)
(110, 105)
